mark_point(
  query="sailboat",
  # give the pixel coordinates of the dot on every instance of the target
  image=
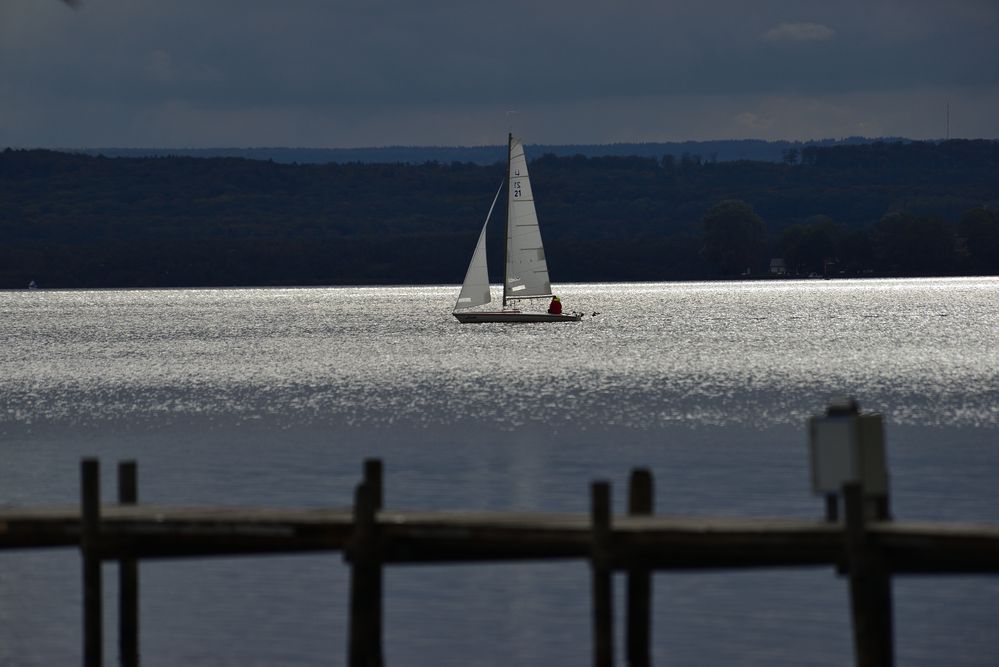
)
(526, 272)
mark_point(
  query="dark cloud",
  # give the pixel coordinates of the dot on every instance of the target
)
(799, 32)
(387, 71)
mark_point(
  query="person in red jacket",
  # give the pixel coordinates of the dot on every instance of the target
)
(555, 307)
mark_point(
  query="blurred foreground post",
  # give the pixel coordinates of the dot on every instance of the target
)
(870, 586)
(90, 508)
(365, 641)
(373, 478)
(128, 576)
(640, 503)
(603, 582)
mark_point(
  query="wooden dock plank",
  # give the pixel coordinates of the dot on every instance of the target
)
(653, 542)
(922, 548)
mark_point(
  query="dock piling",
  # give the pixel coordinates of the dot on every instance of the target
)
(603, 573)
(832, 507)
(641, 501)
(373, 478)
(365, 641)
(870, 586)
(373, 470)
(128, 576)
(90, 525)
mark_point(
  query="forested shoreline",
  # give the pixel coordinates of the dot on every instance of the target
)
(717, 150)
(880, 209)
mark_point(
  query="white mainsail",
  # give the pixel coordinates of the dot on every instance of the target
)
(526, 268)
(475, 288)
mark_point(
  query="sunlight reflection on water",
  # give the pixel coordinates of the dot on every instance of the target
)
(923, 351)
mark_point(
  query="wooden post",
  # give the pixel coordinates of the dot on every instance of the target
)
(640, 503)
(832, 508)
(364, 644)
(870, 587)
(603, 582)
(128, 576)
(90, 508)
(373, 480)
(881, 508)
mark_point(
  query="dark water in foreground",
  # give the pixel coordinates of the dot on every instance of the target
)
(273, 397)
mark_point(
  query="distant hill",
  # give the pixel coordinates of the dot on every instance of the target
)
(709, 151)
(883, 208)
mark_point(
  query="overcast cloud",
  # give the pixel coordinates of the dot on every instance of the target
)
(336, 73)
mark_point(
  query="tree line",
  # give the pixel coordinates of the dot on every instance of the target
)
(724, 149)
(878, 209)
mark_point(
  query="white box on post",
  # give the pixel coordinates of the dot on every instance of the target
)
(848, 447)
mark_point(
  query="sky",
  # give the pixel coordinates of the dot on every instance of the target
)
(339, 73)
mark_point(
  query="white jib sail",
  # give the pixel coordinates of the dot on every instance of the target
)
(526, 268)
(475, 288)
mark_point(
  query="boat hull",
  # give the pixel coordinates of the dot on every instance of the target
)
(513, 316)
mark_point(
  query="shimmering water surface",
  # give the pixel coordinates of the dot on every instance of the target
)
(274, 396)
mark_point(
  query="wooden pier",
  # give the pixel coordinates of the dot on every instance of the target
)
(867, 546)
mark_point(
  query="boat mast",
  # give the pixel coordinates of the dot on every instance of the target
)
(506, 244)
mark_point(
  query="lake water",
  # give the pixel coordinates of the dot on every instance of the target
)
(274, 397)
